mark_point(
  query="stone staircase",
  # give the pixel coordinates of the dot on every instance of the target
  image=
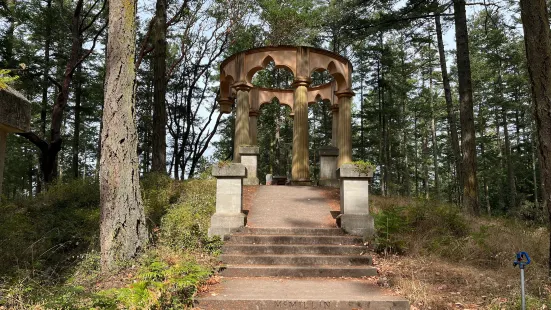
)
(295, 252)
(292, 257)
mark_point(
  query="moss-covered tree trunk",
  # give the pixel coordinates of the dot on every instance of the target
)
(123, 233)
(535, 20)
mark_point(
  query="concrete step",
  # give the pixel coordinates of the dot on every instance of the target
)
(293, 249)
(294, 239)
(298, 271)
(292, 231)
(270, 293)
(296, 260)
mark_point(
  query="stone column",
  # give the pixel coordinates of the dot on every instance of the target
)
(335, 129)
(345, 127)
(328, 166)
(249, 159)
(300, 173)
(229, 215)
(3, 138)
(253, 126)
(354, 183)
(241, 119)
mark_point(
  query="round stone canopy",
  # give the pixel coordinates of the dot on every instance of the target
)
(238, 70)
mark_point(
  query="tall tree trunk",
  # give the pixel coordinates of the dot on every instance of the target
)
(449, 102)
(511, 187)
(45, 83)
(535, 19)
(158, 161)
(470, 186)
(533, 151)
(76, 133)
(433, 136)
(9, 60)
(123, 233)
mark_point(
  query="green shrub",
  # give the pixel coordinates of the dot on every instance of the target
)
(186, 223)
(159, 191)
(390, 224)
(46, 234)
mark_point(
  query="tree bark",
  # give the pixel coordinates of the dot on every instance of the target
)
(158, 161)
(45, 84)
(76, 131)
(123, 233)
(535, 19)
(470, 186)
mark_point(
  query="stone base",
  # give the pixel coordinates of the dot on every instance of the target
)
(358, 225)
(301, 182)
(222, 224)
(330, 183)
(251, 181)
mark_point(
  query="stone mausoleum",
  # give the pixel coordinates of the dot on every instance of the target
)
(336, 169)
(236, 74)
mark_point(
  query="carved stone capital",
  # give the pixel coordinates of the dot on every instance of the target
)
(244, 86)
(302, 81)
(225, 105)
(347, 93)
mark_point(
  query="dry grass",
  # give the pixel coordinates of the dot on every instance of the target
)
(453, 261)
(471, 271)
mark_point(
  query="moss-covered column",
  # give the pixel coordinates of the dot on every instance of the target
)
(300, 172)
(335, 129)
(345, 127)
(253, 126)
(241, 119)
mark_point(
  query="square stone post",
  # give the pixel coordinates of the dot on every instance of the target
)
(328, 166)
(229, 215)
(355, 218)
(15, 116)
(249, 159)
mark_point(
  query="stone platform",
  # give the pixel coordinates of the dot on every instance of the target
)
(273, 293)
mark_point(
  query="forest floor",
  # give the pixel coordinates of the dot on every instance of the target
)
(425, 250)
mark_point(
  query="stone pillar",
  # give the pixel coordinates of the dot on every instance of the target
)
(15, 116)
(249, 159)
(229, 215)
(355, 218)
(3, 138)
(300, 173)
(241, 119)
(345, 127)
(253, 126)
(328, 166)
(335, 129)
